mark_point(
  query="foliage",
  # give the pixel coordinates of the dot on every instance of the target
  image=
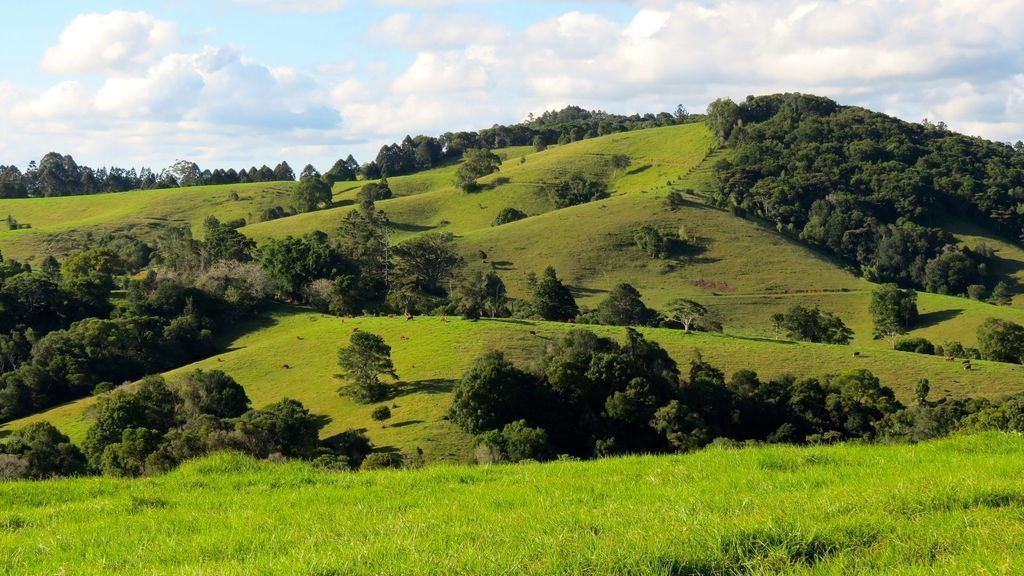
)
(513, 443)
(893, 310)
(1001, 340)
(917, 345)
(812, 325)
(364, 361)
(552, 300)
(508, 214)
(44, 451)
(623, 307)
(311, 193)
(476, 163)
(577, 189)
(864, 186)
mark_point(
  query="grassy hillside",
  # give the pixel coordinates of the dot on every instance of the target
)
(430, 201)
(60, 224)
(946, 507)
(430, 354)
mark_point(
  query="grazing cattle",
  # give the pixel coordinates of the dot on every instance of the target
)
(299, 337)
(856, 353)
(285, 366)
(355, 329)
(533, 332)
(949, 358)
(220, 359)
(404, 337)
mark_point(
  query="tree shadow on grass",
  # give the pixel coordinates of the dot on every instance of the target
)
(405, 423)
(578, 291)
(937, 317)
(639, 169)
(501, 265)
(404, 227)
(428, 386)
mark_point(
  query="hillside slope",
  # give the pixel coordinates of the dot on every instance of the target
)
(944, 507)
(294, 355)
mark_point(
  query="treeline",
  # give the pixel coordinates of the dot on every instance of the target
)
(563, 126)
(591, 396)
(870, 188)
(60, 175)
(157, 425)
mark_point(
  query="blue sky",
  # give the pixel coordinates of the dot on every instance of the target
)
(242, 82)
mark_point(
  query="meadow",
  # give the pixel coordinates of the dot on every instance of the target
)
(950, 506)
(293, 354)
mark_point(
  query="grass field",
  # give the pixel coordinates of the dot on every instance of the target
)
(946, 507)
(430, 355)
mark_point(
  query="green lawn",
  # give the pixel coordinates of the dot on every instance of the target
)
(430, 354)
(946, 507)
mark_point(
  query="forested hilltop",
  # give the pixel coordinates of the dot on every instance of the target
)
(870, 188)
(59, 175)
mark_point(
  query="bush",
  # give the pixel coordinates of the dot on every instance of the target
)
(916, 345)
(381, 413)
(577, 189)
(976, 291)
(383, 460)
(508, 215)
(513, 443)
(1001, 340)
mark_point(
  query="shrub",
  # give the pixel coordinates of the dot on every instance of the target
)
(916, 345)
(380, 413)
(976, 291)
(507, 215)
(577, 189)
(1001, 340)
(383, 460)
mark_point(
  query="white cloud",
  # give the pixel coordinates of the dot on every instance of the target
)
(115, 41)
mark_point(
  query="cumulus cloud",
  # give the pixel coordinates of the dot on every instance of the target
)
(114, 41)
(428, 71)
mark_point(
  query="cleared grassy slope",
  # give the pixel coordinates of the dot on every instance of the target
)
(430, 354)
(429, 200)
(59, 224)
(946, 507)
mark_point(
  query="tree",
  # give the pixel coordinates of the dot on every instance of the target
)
(507, 215)
(371, 193)
(624, 307)
(619, 162)
(476, 163)
(311, 193)
(687, 312)
(309, 172)
(1001, 340)
(921, 391)
(214, 393)
(292, 263)
(426, 262)
(893, 309)
(491, 394)
(538, 143)
(515, 442)
(1002, 294)
(364, 361)
(284, 172)
(342, 171)
(552, 300)
(380, 414)
(812, 325)
(45, 451)
(287, 428)
(577, 189)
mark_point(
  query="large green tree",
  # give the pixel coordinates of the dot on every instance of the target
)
(364, 361)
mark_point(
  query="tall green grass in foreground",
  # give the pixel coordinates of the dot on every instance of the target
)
(947, 507)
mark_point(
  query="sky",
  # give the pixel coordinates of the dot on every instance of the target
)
(235, 83)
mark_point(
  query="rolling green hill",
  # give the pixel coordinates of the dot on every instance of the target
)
(742, 270)
(431, 353)
(945, 507)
